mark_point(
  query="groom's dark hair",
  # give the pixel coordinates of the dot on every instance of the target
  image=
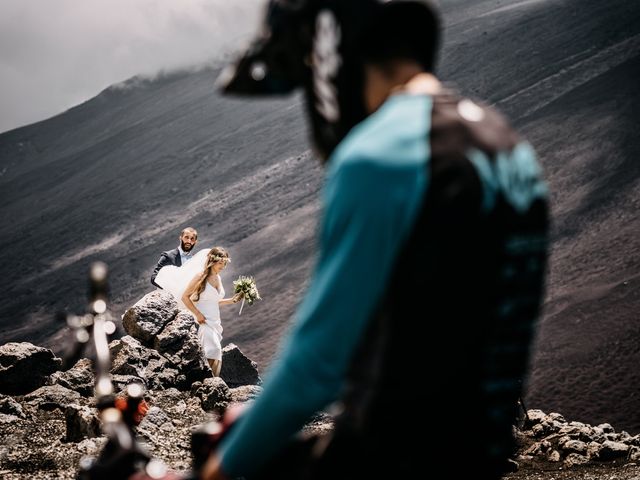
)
(195, 232)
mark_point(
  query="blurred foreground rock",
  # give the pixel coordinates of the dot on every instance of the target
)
(25, 367)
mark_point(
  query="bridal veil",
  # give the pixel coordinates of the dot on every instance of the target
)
(175, 279)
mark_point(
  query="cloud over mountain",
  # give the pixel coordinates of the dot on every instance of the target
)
(56, 54)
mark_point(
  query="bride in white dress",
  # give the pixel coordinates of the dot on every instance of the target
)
(198, 287)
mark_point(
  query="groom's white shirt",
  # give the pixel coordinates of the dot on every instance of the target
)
(184, 256)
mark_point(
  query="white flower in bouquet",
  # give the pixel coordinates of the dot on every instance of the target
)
(247, 287)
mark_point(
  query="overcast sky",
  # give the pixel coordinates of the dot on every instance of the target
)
(55, 54)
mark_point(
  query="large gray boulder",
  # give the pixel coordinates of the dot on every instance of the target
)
(237, 368)
(179, 344)
(79, 377)
(121, 382)
(213, 393)
(148, 317)
(81, 422)
(612, 450)
(9, 406)
(130, 357)
(25, 367)
(156, 323)
(51, 397)
(170, 342)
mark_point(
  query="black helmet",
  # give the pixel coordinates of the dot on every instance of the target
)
(320, 45)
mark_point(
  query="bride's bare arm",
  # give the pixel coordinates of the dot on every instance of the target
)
(227, 301)
(189, 304)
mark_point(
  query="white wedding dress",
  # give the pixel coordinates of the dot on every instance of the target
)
(175, 280)
(210, 332)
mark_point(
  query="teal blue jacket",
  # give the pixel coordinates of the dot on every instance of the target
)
(375, 184)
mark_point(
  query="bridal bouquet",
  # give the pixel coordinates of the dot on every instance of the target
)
(247, 287)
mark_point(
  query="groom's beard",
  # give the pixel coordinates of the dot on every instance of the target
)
(186, 247)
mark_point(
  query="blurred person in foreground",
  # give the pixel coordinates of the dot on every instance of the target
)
(432, 255)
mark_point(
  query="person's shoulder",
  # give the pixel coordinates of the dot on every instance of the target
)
(461, 123)
(171, 253)
(391, 138)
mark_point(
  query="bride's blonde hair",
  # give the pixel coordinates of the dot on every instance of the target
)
(215, 255)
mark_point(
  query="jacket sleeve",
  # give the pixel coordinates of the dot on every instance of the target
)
(164, 261)
(361, 233)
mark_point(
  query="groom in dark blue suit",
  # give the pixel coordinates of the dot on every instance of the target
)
(177, 256)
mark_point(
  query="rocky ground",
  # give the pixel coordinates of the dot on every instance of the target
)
(550, 448)
(587, 472)
(35, 447)
(49, 423)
